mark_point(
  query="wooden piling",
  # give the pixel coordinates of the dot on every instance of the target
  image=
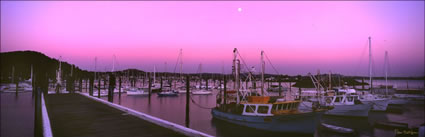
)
(119, 92)
(225, 92)
(98, 88)
(91, 86)
(38, 129)
(187, 101)
(280, 88)
(17, 85)
(206, 85)
(81, 85)
(149, 86)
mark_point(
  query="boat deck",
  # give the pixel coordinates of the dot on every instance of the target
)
(74, 115)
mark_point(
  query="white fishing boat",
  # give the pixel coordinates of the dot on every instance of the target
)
(346, 105)
(343, 102)
(261, 112)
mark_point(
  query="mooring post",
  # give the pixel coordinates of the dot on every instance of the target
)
(81, 85)
(225, 92)
(280, 88)
(91, 85)
(111, 87)
(38, 129)
(119, 92)
(149, 86)
(187, 101)
(161, 82)
(98, 88)
(17, 85)
(86, 81)
(206, 83)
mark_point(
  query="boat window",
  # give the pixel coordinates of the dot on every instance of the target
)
(337, 99)
(275, 106)
(284, 106)
(296, 105)
(263, 109)
(250, 109)
(350, 99)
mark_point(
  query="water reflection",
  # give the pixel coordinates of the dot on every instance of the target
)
(17, 114)
(173, 109)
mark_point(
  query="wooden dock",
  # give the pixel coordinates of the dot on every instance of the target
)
(73, 115)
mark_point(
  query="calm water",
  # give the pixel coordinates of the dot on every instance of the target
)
(17, 115)
(173, 109)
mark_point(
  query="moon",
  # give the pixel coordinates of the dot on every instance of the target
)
(240, 9)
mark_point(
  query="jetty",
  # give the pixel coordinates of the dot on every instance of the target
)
(78, 114)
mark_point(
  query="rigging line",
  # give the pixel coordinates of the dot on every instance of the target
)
(177, 62)
(287, 84)
(243, 61)
(271, 64)
(361, 57)
(194, 102)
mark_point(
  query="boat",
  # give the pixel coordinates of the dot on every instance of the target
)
(136, 92)
(201, 92)
(378, 102)
(337, 129)
(168, 93)
(346, 105)
(103, 93)
(262, 112)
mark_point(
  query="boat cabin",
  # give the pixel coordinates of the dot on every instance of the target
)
(270, 109)
(341, 100)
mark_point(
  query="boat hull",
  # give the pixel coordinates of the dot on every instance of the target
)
(167, 94)
(378, 105)
(358, 110)
(295, 123)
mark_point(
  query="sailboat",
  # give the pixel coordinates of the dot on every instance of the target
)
(261, 112)
(168, 92)
(379, 103)
(102, 93)
(200, 90)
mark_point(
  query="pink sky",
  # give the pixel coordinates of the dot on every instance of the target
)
(298, 37)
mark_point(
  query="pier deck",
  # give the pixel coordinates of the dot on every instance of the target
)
(74, 115)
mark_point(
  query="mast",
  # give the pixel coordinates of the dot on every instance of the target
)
(58, 75)
(95, 63)
(113, 64)
(154, 73)
(263, 67)
(237, 80)
(330, 80)
(370, 65)
(181, 63)
(386, 73)
(234, 66)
